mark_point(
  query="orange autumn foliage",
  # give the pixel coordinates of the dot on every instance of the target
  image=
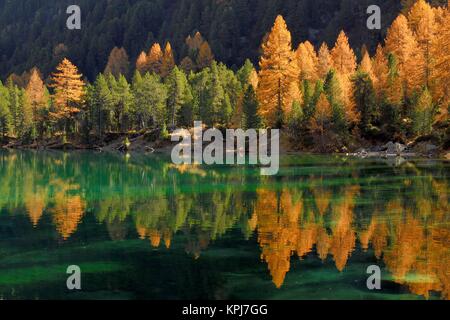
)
(278, 74)
(69, 90)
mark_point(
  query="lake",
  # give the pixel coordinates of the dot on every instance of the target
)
(140, 227)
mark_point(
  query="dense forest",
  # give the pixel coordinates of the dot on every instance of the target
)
(325, 94)
(34, 32)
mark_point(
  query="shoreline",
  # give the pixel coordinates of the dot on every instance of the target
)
(166, 149)
(151, 142)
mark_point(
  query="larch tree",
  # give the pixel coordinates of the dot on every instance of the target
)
(253, 79)
(37, 96)
(194, 43)
(344, 59)
(278, 71)
(366, 65)
(307, 61)
(441, 67)
(380, 71)
(154, 59)
(401, 42)
(205, 56)
(344, 62)
(68, 92)
(168, 61)
(141, 62)
(187, 65)
(118, 63)
(325, 61)
(322, 117)
(421, 19)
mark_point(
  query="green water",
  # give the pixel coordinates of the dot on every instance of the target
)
(142, 228)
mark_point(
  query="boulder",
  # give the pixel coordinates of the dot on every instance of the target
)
(394, 148)
(430, 147)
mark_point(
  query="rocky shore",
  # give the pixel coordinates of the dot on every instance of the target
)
(391, 149)
(151, 141)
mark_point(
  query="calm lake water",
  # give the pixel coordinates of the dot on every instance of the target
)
(140, 227)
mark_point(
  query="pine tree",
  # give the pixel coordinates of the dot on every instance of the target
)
(278, 70)
(123, 104)
(179, 95)
(322, 117)
(364, 97)
(5, 115)
(332, 88)
(118, 63)
(308, 103)
(395, 88)
(15, 107)
(392, 110)
(334, 93)
(68, 92)
(26, 129)
(423, 114)
(250, 109)
(150, 100)
(220, 101)
(245, 72)
(101, 105)
(201, 91)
